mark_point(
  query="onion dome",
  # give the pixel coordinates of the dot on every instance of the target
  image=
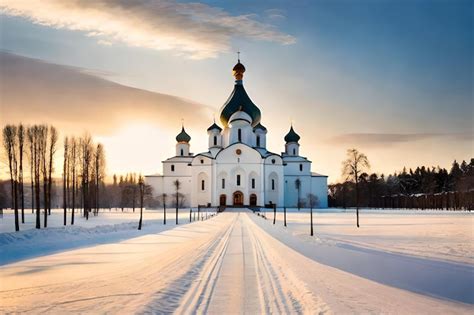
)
(240, 115)
(292, 136)
(239, 100)
(238, 71)
(214, 126)
(259, 126)
(183, 137)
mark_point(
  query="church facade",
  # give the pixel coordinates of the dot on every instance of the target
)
(237, 169)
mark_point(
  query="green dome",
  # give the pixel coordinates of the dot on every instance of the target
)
(214, 126)
(260, 126)
(292, 136)
(239, 100)
(183, 136)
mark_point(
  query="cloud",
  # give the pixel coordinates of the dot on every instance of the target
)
(275, 14)
(380, 139)
(192, 29)
(75, 99)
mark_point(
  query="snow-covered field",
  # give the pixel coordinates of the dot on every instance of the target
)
(237, 262)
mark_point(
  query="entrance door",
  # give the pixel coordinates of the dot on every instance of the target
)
(238, 198)
(253, 199)
(222, 200)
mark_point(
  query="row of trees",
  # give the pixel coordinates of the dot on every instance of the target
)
(30, 152)
(83, 175)
(38, 143)
(422, 187)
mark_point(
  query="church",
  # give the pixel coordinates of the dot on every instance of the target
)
(238, 170)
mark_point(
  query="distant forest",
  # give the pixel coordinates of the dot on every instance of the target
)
(421, 188)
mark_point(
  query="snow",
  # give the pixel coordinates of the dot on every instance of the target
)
(107, 227)
(237, 262)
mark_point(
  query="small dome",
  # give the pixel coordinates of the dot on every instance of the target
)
(213, 127)
(292, 136)
(238, 71)
(239, 67)
(240, 115)
(260, 126)
(183, 136)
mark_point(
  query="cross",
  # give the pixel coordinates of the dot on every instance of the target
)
(238, 56)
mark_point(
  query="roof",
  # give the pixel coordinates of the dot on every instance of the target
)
(183, 136)
(292, 136)
(214, 126)
(260, 126)
(239, 100)
(240, 115)
(314, 174)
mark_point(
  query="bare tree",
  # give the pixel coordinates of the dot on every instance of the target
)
(21, 143)
(141, 185)
(355, 164)
(44, 169)
(87, 155)
(99, 165)
(177, 187)
(298, 188)
(10, 144)
(313, 202)
(164, 196)
(36, 130)
(72, 170)
(30, 137)
(65, 177)
(53, 139)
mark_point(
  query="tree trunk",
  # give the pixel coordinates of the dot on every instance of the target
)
(274, 213)
(357, 202)
(311, 215)
(284, 216)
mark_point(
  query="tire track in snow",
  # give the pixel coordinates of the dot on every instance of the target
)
(167, 301)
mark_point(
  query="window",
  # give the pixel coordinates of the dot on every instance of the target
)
(301, 167)
(273, 184)
(202, 161)
(273, 161)
(294, 151)
(223, 183)
(215, 140)
(203, 183)
(182, 152)
(238, 180)
(258, 141)
(253, 183)
(239, 134)
(172, 168)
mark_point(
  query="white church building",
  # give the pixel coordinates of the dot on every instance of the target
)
(237, 169)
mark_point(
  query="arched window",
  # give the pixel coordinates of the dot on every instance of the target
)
(203, 183)
(223, 183)
(238, 180)
(258, 141)
(273, 184)
(172, 168)
(294, 151)
(182, 152)
(253, 183)
(301, 167)
(215, 140)
(239, 134)
(202, 161)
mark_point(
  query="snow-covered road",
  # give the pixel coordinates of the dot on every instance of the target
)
(228, 264)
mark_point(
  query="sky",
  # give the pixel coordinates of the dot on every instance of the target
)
(391, 78)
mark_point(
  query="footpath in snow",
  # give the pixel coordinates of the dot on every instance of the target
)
(235, 262)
